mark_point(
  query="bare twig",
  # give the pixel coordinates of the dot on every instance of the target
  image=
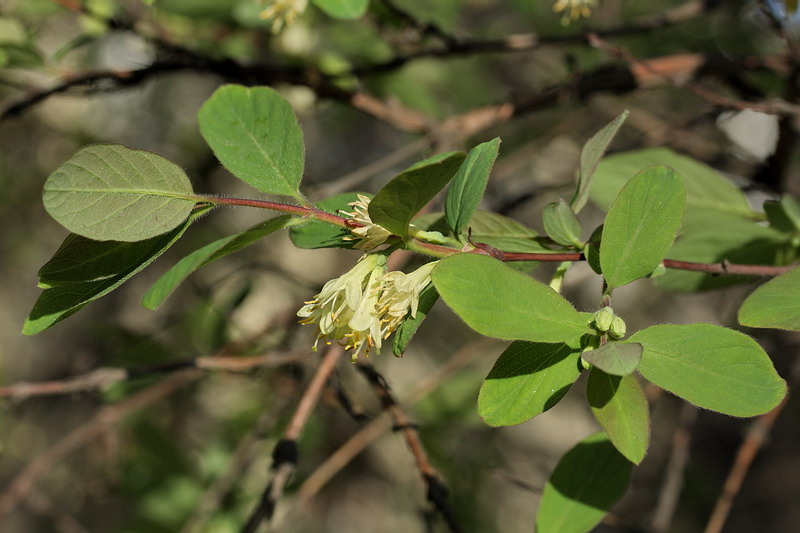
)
(104, 377)
(97, 425)
(284, 456)
(380, 425)
(437, 491)
(756, 437)
(674, 475)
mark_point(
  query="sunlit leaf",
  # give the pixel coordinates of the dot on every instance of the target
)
(110, 192)
(467, 188)
(620, 406)
(775, 304)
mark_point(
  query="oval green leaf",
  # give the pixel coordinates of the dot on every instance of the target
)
(616, 358)
(712, 367)
(254, 133)
(209, 253)
(620, 406)
(528, 379)
(497, 301)
(343, 9)
(467, 188)
(775, 304)
(561, 224)
(110, 192)
(399, 200)
(641, 225)
(587, 481)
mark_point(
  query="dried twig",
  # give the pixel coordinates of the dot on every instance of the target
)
(284, 456)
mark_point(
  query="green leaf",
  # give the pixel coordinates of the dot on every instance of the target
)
(706, 190)
(504, 233)
(616, 358)
(587, 481)
(528, 379)
(620, 406)
(255, 134)
(167, 283)
(712, 238)
(316, 234)
(343, 9)
(60, 301)
(561, 224)
(775, 304)
(110, 192)
(591, 154)
(467, 188)
(497, 301)
(427, 298)
(784, 215)
(641, 225)
(396, 204)
(712, 367)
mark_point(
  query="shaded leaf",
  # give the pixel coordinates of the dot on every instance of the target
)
(254, 133)
(399, 200)
(591, 154)
(587, 481)
(58, 302)
(467, 188)
(427, 298)
(343, 9)
(641, 225)
(775, 304)
(209, 253)
(316, 234)
(497, 301)
(561, 224)
(110, 192)
(783, 215)
(528, 379)
(617, 358)
(620, 406)
(712, 367)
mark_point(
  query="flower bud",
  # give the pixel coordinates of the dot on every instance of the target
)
(603, 319)
(617, 328)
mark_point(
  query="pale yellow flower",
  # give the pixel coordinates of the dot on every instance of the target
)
(345, 310)
(371, 235)
(574, 9)
(400, 296)
(283, 12)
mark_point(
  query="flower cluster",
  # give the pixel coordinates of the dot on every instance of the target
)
(364, 306)
(371, 235)
(283, 12)
(574, 9)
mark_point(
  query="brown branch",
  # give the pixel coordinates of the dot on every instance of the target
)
(437, 491)
(96, 426)
(679, 79)
(756, 437)
(675, 471)
(380, 425)
(454, 48)
(104, 377)
(284, 456)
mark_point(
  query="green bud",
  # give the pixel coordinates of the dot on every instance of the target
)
(617, 328)
(584, 363)
(603, 319)
(659, 271)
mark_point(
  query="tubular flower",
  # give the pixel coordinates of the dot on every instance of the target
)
(400, 296)
(371, 234)
(573, 9)
(283, 12)
(345, 310)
